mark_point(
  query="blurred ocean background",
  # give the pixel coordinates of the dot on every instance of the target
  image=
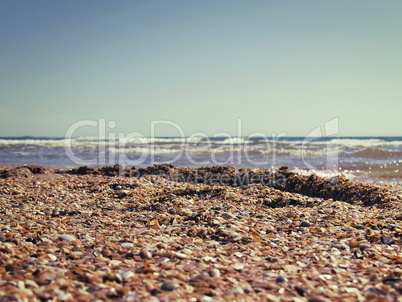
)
(376, 159)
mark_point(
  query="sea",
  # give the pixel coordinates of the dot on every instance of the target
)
(376, 159)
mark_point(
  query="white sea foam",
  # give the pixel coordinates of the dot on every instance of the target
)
(353, 153)
(57, 143)
(232, 141)
(143, 150)
(369, 143)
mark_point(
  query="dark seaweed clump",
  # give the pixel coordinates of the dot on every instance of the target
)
(337, 188)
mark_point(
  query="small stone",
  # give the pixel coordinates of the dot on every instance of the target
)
(300, 290)
(149, 299)
(123, 193)
(145, 254)
(169, 285)
(164, 259)
(315, 298)
(280, 279)
(364, 246)
(114, 262)
(353, 244)
(263, 284)
(317, 230)
(80, 236)
(237, 291)
(387, 239)
(376, 291)
(227, 215)
(66, 237)
(238, 266)
(248, 289)
(167, 254)
(31, 283)
(237, 238)
(127, 245)
(215, 273)
(65, 297)
(393, 226)
(180, 255)
(305, 224)
(126, 275)
(154, 292)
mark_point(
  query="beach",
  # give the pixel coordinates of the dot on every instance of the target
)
(213, 233)
(200, 151)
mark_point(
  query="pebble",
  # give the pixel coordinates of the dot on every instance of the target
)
(238, 266)
(127, 245)
(66, 237)
(280, 279)
(169, 285)
(387, 239)
(65, 297)
(237, 291)
(364, 246)
(215, 273)
(305, 224)
(123, 193)
(145, 253)
(262, 284)
(237, 238)
(149, 299)
(227, 215)
(354, 243)
(180, 255)
(300, 290)
(126, 275)
(164, 259)
(316, 298)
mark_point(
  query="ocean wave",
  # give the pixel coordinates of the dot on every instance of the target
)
(371, 148)
(375, 153)
(371, 142)
(54, 143)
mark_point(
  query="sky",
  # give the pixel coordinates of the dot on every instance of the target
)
(279, 67)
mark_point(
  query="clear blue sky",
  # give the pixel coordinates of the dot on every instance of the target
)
(280, 66)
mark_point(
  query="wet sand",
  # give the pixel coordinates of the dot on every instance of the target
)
(164, 233)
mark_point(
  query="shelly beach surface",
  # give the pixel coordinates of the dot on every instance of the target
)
(165, 233)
